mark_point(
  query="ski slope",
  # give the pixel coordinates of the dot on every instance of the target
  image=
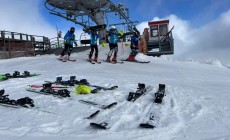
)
(196, 105)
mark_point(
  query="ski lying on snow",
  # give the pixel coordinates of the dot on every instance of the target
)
(22, 102)
(148, 121)
(73, 82)
(48, 90)
(41, 86)
(106, 122)
(104, 88)
(97, 105)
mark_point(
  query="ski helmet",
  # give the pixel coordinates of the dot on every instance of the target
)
(72, 29)
(83, 89)
(113, 27)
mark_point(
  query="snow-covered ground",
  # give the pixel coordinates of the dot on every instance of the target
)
(196, 106)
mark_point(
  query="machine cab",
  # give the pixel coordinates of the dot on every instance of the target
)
(160, 39)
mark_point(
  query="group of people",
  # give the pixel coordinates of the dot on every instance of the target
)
(113, 36)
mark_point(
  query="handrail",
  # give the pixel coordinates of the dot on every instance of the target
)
(166, 34)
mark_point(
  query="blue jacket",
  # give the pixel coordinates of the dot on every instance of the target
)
(113, 37)
(69, 38)
(134, 41)
(94, 38)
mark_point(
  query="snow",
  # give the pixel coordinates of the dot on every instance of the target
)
(196, 105)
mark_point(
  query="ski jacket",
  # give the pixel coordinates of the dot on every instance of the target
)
(113, 37)
(94, 37)
(69, 38)
(134, 41)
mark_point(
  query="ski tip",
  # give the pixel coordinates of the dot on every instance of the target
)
(99, 126)
(146, 125)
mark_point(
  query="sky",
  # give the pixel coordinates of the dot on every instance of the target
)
(200, 27)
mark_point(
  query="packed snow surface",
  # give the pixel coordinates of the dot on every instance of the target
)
(196, 105)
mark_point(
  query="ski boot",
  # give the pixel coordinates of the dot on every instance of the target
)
(90, 57)
(131, 58)
(114, 59)
(95, 59)
(108, 58)
(61, 57)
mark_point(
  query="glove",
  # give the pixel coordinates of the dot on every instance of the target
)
(121, 32)
(103, 44)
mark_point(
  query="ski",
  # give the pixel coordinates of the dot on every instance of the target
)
(73, 82)
(22, 102)
(98, 105)
(90, 61)
(17, 74)
(72, 60)
(47, 90)
(104, 88)
(112, 62)
(136, 61)
(41, 86)
(106, 122)
(62, 60)
(98, 62)
(148, 121)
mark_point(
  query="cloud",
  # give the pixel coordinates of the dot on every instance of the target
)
(24, 16)
(211, 41)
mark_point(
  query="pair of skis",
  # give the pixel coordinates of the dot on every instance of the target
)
(106, 123)
(22, 102)
(17, 74)
(93, 61)
(48, 90)
(73, 82)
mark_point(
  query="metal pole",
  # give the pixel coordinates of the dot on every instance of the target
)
(57, 36)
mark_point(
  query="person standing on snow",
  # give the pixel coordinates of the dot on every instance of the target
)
(134, 46)
(143, 46)
(93, 43)
(69, 40)
(113, 37)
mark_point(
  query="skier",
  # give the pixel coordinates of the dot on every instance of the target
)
(69, 40)
(113, 37)
(142, 48)
(134, 47)
(94, 36)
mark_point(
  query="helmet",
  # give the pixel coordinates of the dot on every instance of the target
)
(83, 89)
(113, 27)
